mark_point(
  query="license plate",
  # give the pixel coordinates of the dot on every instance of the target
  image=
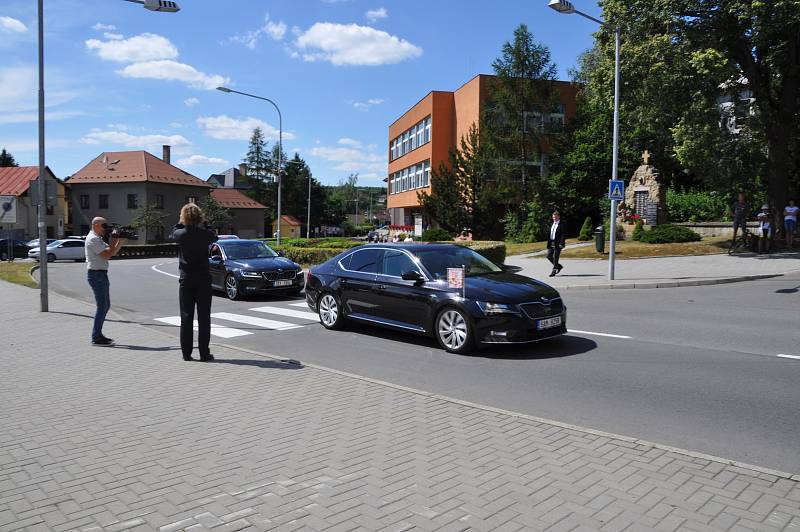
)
(282, 283)
(548, 323)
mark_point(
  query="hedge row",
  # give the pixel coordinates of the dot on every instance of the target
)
(149, 250)
(331, 243)
(494, 251)
(308, 255)
(665, 234)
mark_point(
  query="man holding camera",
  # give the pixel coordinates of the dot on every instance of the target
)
(98, 253)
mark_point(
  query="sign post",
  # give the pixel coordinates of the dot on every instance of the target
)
(616, 192)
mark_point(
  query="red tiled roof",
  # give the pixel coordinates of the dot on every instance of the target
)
(289, 219)
(133, 166)
(15, 180)
(233, 199)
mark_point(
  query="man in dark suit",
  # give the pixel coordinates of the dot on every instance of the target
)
(555, 243)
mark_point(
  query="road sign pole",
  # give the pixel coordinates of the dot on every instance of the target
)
(614, 162)
(42, 220)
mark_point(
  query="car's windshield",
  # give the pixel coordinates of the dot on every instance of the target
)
(248, 250)
(437, 260)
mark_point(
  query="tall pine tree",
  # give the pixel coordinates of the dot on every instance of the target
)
(6, 159)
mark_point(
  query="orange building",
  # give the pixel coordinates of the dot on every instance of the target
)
(421, 139)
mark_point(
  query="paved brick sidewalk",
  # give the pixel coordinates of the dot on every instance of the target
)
(134, 438)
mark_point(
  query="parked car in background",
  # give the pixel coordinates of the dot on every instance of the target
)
(247, 267)
(406, 287)
(35, 243)
(19, 249)
(66, 249)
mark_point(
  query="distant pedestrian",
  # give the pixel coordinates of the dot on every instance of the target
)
(740, 211)
(195, 280)
(555, 243)
(98, 253)
(790, 222)
(408, 238)
(765, 228)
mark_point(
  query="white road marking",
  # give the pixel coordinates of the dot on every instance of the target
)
(290, 313)
(258, 322)
(216, 330)
(155, 269)
(796, 357)
(601, 334)
(299, 304)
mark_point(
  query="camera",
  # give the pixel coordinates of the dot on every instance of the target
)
(120, 231)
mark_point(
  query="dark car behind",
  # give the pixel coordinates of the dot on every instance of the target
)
(243, 268)
(19, 249)
(405, 287)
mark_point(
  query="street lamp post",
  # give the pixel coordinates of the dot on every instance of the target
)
(566, 7)
(152, 5)
(280, 148)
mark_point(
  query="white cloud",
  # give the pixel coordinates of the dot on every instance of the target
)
(144, 47)
(13, 25)
(176, 125)
(173, 70)
(351, 44)
(201, 160)
(364, 106)
(121, 138)
(376, 14)
(18, 86)
(20, 118)
(351, 158)
(275, 30)
(350, 142)
(190, 102)
(224, 127)
(104, 27)
(113, 36)
(121, 127)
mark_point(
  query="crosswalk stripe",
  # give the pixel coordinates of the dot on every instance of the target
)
(299, 304)
(289, 313)
(216, 330)
(258, 322)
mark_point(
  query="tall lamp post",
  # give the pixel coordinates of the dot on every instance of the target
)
(280, 147)
(566, 7)
(152, 5)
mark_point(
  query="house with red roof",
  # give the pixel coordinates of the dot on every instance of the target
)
(116, 185)
(291, 227)
(247, 215)
(16, 181)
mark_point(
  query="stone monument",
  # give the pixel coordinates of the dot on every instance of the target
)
(645, 196)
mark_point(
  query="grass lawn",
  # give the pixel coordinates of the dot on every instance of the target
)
(18, 272)
(629, 249)
(523, 248)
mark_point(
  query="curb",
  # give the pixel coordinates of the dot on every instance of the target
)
(670, 284)
(619, 437)
(32, 271)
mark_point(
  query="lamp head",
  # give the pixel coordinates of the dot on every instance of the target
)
(562, 6)
(223, 89)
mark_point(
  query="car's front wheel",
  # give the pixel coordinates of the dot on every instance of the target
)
(3, 256)
(330, 313)
(232, 288)
(51, 257)
(453, 331)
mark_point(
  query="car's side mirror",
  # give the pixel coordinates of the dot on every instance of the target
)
(215, 259)
(412, 275)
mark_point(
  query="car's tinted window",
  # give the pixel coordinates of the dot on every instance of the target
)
(396, 263)
(365, 261)
(248, 250)
(437, 261)
(74, 244)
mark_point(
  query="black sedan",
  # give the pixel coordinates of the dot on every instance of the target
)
(247, 267)
(406, 287)
(19, 249)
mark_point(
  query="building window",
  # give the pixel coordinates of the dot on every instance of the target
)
(556, 119)
(406, 141)
(133, 201)
(102, 201)
(84, 201)
(427, 130)
(159, 232)
(426, 178)
(50, 210)
(191, 199)
(420, 172)
(413, 137)
(393, 153)
(159, 201)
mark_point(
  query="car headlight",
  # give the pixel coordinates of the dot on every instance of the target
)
(496, 308)
(251, 275)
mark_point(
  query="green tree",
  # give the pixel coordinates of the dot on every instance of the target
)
(216, 215)
(6, 159)
(148, 218)
(295, 192)
(259, 167)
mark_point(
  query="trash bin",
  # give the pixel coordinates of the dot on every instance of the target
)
(600, 239)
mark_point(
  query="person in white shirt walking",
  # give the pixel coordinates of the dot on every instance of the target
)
(555, 243)
(790, 222)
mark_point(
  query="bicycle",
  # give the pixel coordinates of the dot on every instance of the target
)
(743, 242)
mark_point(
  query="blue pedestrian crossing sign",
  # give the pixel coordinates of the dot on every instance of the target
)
(616, 189)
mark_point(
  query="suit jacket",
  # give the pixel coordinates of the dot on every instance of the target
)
(559, 240)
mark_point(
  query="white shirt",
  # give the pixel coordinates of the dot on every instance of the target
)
(553, 230)
(791, 213)
(95, 246)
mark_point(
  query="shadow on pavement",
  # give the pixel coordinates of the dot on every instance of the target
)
(266, 364)
(788, 290)
(144, 348)
(562, 346)
(91, 317)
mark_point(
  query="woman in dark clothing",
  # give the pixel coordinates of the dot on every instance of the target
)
(195, 280)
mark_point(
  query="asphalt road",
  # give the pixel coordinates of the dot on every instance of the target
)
(694, 367)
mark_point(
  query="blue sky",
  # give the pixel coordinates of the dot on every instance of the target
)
(119, 77)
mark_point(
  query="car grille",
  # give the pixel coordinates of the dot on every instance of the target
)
(540, 309)
(276, 275)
